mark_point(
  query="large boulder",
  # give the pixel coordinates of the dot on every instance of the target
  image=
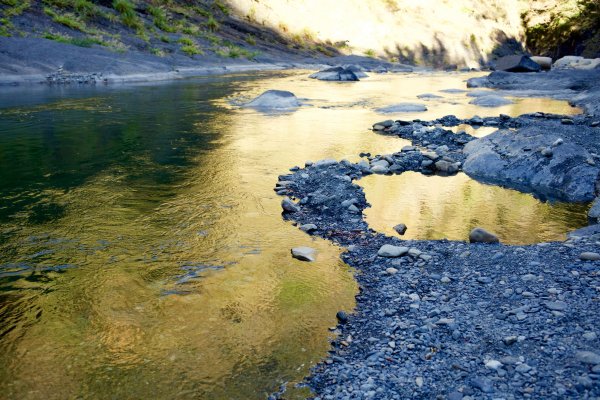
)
(480, 235)
(517, 160)
(576, 62)
(335, 74)
(517, 64)
(594, 213)
(274, 100)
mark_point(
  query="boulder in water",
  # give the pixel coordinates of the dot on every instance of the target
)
(304, 253)
(517, 64)
(274, 100)
(594, 213)
(335, 74)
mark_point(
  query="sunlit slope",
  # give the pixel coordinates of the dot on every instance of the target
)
(439, 31)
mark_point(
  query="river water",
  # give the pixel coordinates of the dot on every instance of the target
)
(142, 250)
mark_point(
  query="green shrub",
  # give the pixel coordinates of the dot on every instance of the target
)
(160, 19)
(221, 7)
(128, 16)
(81, 42)
(251, 40)
(85, 8)
(212, 24)
(370, 53)
(186, 41)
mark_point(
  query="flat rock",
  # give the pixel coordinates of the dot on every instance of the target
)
(388, 250)
(402, 108)
(480, 235)
(274, 100)
(545, 63)
(304, 253)
(576, 62)
(491, 101)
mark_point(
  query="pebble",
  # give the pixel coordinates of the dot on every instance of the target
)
(391, 271)
(588, 357)
(589, 256)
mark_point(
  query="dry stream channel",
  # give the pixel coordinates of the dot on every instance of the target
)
(142, 250)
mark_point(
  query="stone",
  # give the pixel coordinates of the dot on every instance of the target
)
(335, 74)
(545, 63)
(480, 235)
(379, 126)
(342, 317)
(517, 63)
(289, 206)
(567, 121)
(274, 100)
(491, 101)
(556, 305)
(391, 271)
(493, 364)
(400, 229)
(588, 357)
(388, 250)
(325, 163)
(353, 208)
(447, 167)
(483, 384)
(594, 213)
(589, 256)
(547, 152)
(308, 228)
(402, 108)
(576, 62)
(380, 169)
(304, 253)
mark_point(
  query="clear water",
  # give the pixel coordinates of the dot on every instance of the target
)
(436, 207)
(142, 251)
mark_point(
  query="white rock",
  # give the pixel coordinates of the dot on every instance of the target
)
(275, 100)
(493, 364)
(304, 253)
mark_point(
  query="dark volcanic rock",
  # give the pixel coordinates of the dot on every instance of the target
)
(517, 64)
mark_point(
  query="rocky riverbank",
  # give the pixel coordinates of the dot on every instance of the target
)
(442, 319)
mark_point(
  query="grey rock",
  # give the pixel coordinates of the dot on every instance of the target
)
(483, 384)
(588, 357)
(308, 228)
(594, 213)
(556, 305)
(304, 253)
(335, 74)
(401, 108)
(480, 235)
(491, 101)
(289, 206)
(379, 126)
(400, 229)
(274, 100)
(589, 256)
(517, 63)
(388, 250)
(342, 317)
(447, 166)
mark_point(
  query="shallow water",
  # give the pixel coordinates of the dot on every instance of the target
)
(142, 251)
(437, 207)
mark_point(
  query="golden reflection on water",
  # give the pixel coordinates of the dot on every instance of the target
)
(114, 314)
(438, 207)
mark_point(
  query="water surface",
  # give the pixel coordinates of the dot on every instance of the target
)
(142, 250)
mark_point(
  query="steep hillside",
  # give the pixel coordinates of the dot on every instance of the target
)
(563, 27)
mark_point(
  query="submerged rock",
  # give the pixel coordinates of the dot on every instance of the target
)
(304, 253)
(492, 100)
(402, 107)
(400, 229)
(274, 100)
(335, 74)
(480, 235)
(517, 64)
